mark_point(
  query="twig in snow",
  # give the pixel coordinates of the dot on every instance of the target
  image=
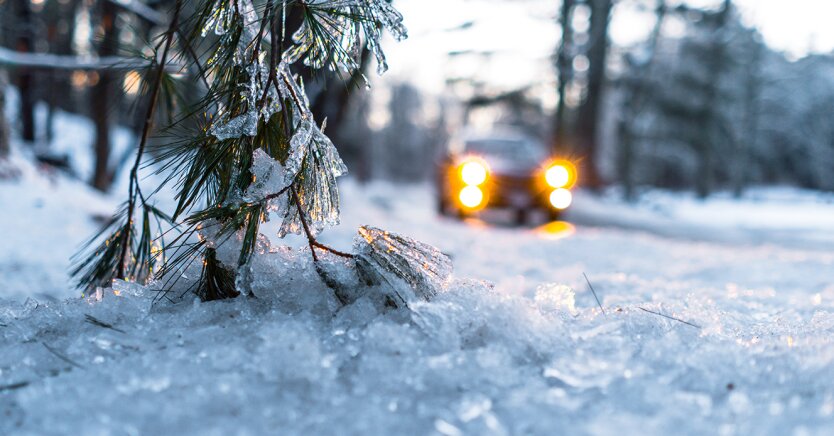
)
(97, 322)
(61, 356)
(13, 386)
(595, 293)
(670, 317)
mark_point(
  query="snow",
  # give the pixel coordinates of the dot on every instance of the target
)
(514, 343)
(45, 217)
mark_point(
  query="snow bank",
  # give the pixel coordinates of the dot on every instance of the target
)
(788, 216)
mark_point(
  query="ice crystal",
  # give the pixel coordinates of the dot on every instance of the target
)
(413, 270)
(330, 33)
(267, 176)
(246, 124)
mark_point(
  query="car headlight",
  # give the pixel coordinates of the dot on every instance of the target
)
(557, 176)
(471, 196)
(473, 173)
(561, 198)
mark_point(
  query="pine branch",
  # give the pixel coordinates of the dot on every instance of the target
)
(134, 179)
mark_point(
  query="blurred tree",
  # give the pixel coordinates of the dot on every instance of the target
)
(104, 96)
(24, 78)
(589, 115)
(406, 155)
(691, 117)
(750, 123)
(564, 69)
(637, 87)
(4, 125)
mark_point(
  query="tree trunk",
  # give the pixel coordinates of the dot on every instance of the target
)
(104, 98)
(590, 113)
(4, 125)
(634, 102)
(751, 121)
(709, 137)
(25, 77)
(564, 59)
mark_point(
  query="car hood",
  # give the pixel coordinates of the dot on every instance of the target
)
(507, 167)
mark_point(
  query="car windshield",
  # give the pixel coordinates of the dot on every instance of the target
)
(514, 150)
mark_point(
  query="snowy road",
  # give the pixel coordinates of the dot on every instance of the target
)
(755, 356)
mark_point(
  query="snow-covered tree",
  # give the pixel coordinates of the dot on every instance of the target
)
(250, 150)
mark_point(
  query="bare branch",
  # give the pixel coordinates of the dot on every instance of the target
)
(46, 61)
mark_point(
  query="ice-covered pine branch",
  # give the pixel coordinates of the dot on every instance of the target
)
(262, 153)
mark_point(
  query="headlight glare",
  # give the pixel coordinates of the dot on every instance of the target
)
(557, 176)
(561, 198)
(473, 173)
(471, 196)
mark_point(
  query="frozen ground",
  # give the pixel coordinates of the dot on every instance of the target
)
(525, 356)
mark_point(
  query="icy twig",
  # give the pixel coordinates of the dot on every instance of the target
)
(670, 317)
(591, 287)
(97, 322)
(61, 356)
(310, 238)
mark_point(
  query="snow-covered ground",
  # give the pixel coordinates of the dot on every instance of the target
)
(523, 356)
(718, 319)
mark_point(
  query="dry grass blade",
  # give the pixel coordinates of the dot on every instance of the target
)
(61, 356)
(590, 286)
(670, 317)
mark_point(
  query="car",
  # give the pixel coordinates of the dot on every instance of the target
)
(503, 170)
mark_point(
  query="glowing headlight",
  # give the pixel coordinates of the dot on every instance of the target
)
(557, 176)
(473, 173)
(471, 196)
(561, 198)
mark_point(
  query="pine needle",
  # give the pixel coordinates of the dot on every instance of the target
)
(595, 294)
(61, 356)
(97, 322)
(670, 317)
(13, 386)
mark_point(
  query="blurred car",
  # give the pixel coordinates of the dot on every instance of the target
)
(502, 170)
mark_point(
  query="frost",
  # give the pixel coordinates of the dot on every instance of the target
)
(413, 270)
(345, 20)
